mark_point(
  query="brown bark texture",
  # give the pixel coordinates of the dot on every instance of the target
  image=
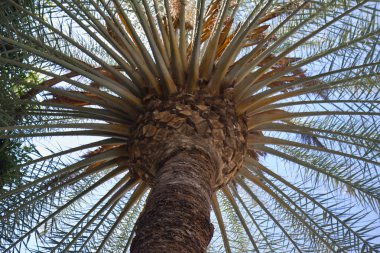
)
(189, 122)
(176, 217)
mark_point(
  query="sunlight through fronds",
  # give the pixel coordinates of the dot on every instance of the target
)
(302, 79)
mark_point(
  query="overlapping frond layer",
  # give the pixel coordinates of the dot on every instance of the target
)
(303, 75)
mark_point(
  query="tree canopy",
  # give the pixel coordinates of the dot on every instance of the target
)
(302, 75)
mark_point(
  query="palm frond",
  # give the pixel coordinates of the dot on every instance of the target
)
(300, 79)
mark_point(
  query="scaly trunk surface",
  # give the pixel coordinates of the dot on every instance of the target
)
(176, 217)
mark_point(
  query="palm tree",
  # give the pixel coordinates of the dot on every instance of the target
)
(192, 101)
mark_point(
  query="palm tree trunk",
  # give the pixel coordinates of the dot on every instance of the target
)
(176, 217)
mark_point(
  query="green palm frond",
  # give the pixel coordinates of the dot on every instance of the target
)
(303, 76)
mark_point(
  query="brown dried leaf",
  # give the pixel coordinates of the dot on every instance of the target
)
(70, 101)
(99, 150)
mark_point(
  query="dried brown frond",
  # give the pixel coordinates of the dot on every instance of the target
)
(210, 19)
(99, 150)
(225, 40)
(256, 35)
(175, 12)
(94, 165)
(280, 10)
(60, 99)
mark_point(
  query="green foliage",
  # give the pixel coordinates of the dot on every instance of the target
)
(13, 83)
(305, 74)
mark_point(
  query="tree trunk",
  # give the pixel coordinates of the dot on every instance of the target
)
(176, 217)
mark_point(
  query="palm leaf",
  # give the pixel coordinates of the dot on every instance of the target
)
(301, 78)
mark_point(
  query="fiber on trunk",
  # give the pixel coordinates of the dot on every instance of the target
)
(175, 12)
(189, 122)
(176, 217)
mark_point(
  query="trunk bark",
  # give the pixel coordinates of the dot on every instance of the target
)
(176, 217)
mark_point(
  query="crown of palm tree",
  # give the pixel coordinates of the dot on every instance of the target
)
(239, 80)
